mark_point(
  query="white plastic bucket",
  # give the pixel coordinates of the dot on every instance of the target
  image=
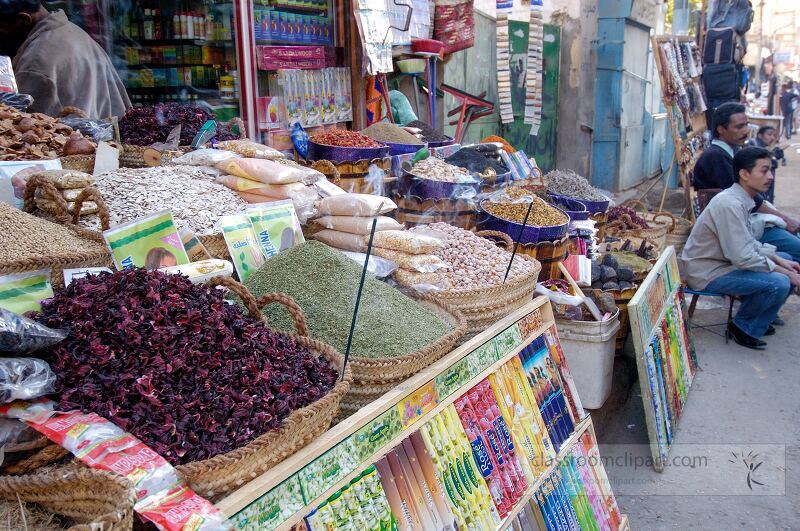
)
(589, 348)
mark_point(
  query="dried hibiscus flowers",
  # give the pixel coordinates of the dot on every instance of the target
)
(173, 364)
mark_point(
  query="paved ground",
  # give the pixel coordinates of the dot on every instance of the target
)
(744, 409)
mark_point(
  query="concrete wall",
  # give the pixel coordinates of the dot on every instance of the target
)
(576, 113)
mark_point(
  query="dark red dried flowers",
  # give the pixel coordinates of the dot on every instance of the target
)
(173, 364)
(143, 126)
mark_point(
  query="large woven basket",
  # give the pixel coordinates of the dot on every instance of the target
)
(485, 306)
(132, 156)
(657, 233)
(385, 371)
(92, 499)
(215, 477)
(94, 255)
(679, 235)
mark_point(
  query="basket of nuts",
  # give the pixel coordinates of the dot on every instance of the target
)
(511, 208)
(475, 282)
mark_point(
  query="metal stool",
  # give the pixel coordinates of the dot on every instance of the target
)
(696, 294)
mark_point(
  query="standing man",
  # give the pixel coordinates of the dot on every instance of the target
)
(788, 104)
(723, 256)
(57, 63)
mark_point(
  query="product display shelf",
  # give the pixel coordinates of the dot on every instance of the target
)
(275, 500)
(580, 429)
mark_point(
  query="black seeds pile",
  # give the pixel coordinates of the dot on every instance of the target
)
(475, 161)
(429, 134)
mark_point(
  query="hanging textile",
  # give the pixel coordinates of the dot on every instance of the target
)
(504, 7)
(534, 78)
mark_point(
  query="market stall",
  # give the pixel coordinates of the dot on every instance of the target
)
(279, 318)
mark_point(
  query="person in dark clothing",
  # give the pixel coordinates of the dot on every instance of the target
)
(714, 169)
(767, 138)
(787, 108)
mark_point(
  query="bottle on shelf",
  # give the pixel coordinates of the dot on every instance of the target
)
(158, 32)
(176, 25)
(148, 25)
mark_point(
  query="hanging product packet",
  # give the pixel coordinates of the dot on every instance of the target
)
(161, 496)
(151, 242)
(276, 226)
(24, 292)
(242, 243)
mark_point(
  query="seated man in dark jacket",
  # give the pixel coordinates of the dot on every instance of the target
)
(714, 169)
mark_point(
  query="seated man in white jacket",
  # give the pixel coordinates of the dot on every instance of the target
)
(722, 254)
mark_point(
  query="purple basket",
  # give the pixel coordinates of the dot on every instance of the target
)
(442, 143)
(344, 154)
(575, 209)
(411, 185)
(531, 233)
(402, 149)
(593, 207)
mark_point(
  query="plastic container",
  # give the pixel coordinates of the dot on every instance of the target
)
(411, 66)
(338, 154)
(403, 149)
(589, 347)
(575, 209)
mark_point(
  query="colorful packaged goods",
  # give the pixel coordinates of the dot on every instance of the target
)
(449, 451)
(573, 399)
(497, 473)
(546, 383)
(360, 505)
(517, 405)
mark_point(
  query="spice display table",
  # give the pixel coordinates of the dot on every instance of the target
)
(282, 497)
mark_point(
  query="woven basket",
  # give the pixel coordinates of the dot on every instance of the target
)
(485, 306)
(678, 236)
(95, 255)
(657, 233)
(132, 156)
(84, 163)
(93, 499)
(215, 477)
(386, 371)
(621, 300)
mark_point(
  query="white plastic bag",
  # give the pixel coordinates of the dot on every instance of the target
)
(205, 157)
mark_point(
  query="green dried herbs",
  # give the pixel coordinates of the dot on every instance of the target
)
(324, 283)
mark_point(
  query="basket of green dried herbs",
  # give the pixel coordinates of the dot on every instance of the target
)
(395, 336)
(216, 392)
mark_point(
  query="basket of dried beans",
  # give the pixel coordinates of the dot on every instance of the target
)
(213, 390)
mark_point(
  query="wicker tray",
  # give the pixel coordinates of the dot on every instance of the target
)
(93, 499)
(386, 371)
(95, 253)
(132, 156)
(215, 477)
(485, 306)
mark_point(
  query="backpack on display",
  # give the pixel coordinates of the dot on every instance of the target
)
(721, 84)
(722, 46)
(736, 14)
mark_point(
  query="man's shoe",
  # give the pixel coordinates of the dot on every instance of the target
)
(778, 322)
(744, 339)
(770, 331)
